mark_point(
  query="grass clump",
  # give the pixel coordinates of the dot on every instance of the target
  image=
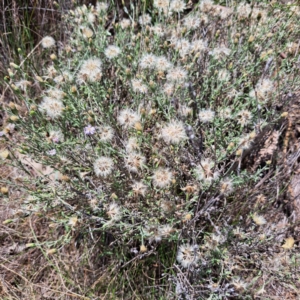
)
(154, 151)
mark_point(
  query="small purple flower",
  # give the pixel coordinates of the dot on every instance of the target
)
(55, 140)
(51, 152)
(89, 130)
(134, 250)
(2, 133)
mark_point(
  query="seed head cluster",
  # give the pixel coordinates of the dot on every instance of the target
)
(149, 119)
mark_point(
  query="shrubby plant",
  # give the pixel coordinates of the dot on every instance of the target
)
(146, 120)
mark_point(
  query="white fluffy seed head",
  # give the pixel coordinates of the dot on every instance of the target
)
(127, 118)
(53, 107)
(158, 30)
(198, 46)
(265, 84)
(138, 86)
(103, 166)
(184, 110)
(48, 42)
(106, 133)
(162, 5)
(166, 230)
(132, 144)
(148, 61)
(162, 64)
(220, 52)
(139, 188)
(134, 161)
(206, 6)
(191, 22)
(223, 75)
(244, 117)
(206, 172)
(114, 211)
(112, 51)
(187, 255)
(177, 74)
(125, 23)
(259, 220)
(226, 186)
(183, 46)
(173, 132)
(162, 177)
(177, 6)
(64, 77)
(51, 71)
(81, 10)
(101, 7)
(243, 10)
(56, 93)
(145, 19)
(23, 84)
(86, 32)
(91, 18)
(225, 113)
(90, 70)
(206, 115)
(263, 90)
(168, 89)
(153, 233)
